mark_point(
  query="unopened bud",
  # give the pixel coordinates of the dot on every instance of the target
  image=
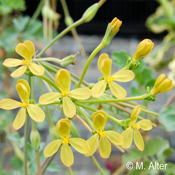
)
(131, 65)
(53, 133)
(35, 139)
(68, 21)
(143, 49)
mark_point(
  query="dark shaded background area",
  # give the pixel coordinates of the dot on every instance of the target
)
(133, 13)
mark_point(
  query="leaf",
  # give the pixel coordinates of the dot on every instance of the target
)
(16, 163)
(135, 91)
(54, 167)
(20, 23)
(169, 169)
(16, 137)
(167, 118)
(120, 58)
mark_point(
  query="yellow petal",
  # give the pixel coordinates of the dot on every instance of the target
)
(138, 140)
(99, 120)
(117, 90)
(127, 137)
(30, 47)
(99, 88)
(66, 155)
(93, 144)
(63, 128)
(105, 67)
(80, 93)
(104, 147)
(68, 107)
(19, 72)
(101, 58)
(11, 62)
(145, 124)
(63, 79)
(124, 75)
(114, 137)
(159, 80)
(52, 148)
(49, 97)
(20, 119)
(135, 112)
(36, 113)
(23, 51)
(22, 92)
(79, 145)
(25, 83)
(36, 69)
(9, 104)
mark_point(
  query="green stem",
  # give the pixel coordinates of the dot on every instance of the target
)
(70, 170)
(77, 23)
(55, 60)
(97, 49)
(38, 10)
(114, 100)
(38, 162)
(97, 165)
(151, 112)
(65, 9)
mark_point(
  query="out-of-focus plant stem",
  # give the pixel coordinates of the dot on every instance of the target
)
(70, 170)
(38, 10)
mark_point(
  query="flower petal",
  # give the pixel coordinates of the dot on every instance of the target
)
(93, 144)
(9, 104)
(63, 128)
(20, 119)
(104, 147)
(159, 80)
(138, 140)
(25, 83)
(117, 90)
(145, 124)
(49, 97)
(66, 155)
(79, 145)
(30, 47)
(63, 79)
(101, 58)
(124, 75)
(68, 107)
(52, 148)
(22, 92)
(135, 112)
(80, 93)
(11, 62)
(105, 67)
(127, 137)
(23, 51)
(36, 113)
(114, 137)
(99, 88)
(19, 72)
(36, 69)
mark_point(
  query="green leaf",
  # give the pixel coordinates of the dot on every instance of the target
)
(120, 58)
(16, 137)
(136, 92)
(16, 163)
(20, 23)
(54, 167)
(169, 169)
(167, 118)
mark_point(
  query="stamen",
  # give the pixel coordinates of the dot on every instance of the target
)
(110, 79)
(136, 126)
(102, 133)
(65, 141)
(24, 105)
(25, 62)
(65, 93)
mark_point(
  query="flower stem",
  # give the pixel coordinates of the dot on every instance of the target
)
(70, 170)
(38, 10)
(97, 164)
(38, 162)
(97, 49)
(55, 60)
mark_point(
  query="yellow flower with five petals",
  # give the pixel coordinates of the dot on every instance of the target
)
(66, 154)
(63, 81)
(104, 65)
(103, 137)
(35, 112)
(26, 50)
(133, 128)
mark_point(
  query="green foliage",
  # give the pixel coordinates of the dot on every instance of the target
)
(54, 167)
(16, 138)
(167, 118)
(20, 23)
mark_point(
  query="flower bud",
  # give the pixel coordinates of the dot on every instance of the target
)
(111, 30)
(68, 21)
(90, 12)
(35, 139)
(53, 133)
(143, 49)
(161, 85)
(67, 60)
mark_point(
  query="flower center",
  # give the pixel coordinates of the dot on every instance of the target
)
(102, 133)
(65, 93)
(24, 105)
(65, 141)
(135, 126)
(110, 79)
(25, 62)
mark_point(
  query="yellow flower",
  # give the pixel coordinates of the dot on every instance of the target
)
(102, 136)
(63, 81)
(143, 49)
(35, 112)
(26, 50)
(162, 84)
(66, 154)
(133, 127)
(104, 65)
